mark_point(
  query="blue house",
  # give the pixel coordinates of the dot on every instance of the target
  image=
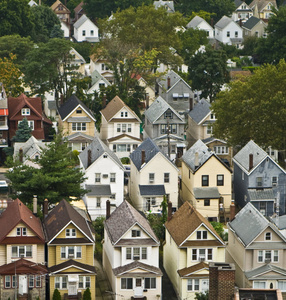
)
(259, 179)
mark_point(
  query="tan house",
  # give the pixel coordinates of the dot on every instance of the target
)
(206, 182)
(254, 27)
(262, 9)
(62, 12)
(258, 249)
(190, 244)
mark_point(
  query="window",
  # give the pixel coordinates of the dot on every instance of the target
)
(129, 127)
(193, 284)
(268, 256)
(25, 111)
(151, 177)
(220, 150)
(259, 181)
(150, 201)
(126, 283)
(122, 114)
(98, 202)
(174, 128)
(209, 130)
(144, 253)
(268, 236)
(228, 33)
(205, 180)
(83, 33)
(102, 67)
(136, 233)
(126, 114)
(14, 281)
(121, 148)
(124, 127)
(79, 111)
(78, 126)
(84, 282)
(150, 283)
(166, 177)
(21, 231)
(61, 282)
(282, 285)
(38, 281)
(112, 177)
(21, 251)
(31, 281)
(164, 128)
(91, 33)
(259, 284)
(262, 207)
(168, 114)
(236, 34)
(71, 252)
(136, 253)
(202, 235)
(213, 117)
(70, 232)
(7, 282)
(220, 180)
(202, 254)
(97, 177)
(274, 181)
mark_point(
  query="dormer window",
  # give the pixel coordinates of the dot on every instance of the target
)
(70, 232)
(136, 233)
(21, 231)
(79, 111)
(202, 235)
(268, 236)
(25, 111)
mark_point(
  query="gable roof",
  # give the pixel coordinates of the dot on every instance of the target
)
(123, 218)
(96, 76)
(262, 3)
(72, 264)
(81, 21)
(97, 148)
(200, 111)
(70, 105)
(23, 266)
(79, 7)
(137, 265)
(61, 216)
(161, 3)
(186, 272)
(158, 108)
(223, 22)
(196, 21)
(185, 221)
(174, 78)
(57, 3)
(251, 22)
(18, 212)
(253, 274)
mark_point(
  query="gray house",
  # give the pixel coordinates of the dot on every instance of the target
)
(174, 89)
(166, 127)
(259, 179)
(254, 27)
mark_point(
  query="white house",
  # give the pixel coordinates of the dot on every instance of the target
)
(97, 82)
(199, 23)
(85, 30)
(131, 255)
(104, 178)
(228, 32)
(65, 29)
(152, 176)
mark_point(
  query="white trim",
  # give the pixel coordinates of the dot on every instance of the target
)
(75, 110)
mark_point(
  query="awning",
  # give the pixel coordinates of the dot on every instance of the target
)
(175, 95)
(4, 112)
(206, 193)
(152, 190)
(186, 95)
(73, 278)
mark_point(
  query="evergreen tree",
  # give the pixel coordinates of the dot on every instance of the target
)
(87, 294)
(23, 132)
(57, 295)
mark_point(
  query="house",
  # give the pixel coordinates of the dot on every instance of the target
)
(191, 243)
(257, 248)
(66, 29)
(242, 12)
(258, 179)
(199, 23)
(22, 248)
(85, 30)
(174, 89)
(75, 117)
(254, 27)
(31, 109)
(3, 123)
(168, 5)
(77, 62)
(70, 241)
(79, 11)
(228, 32)
(98, 82)
(79, 141)
(262, 9)
(101, 66)
(131, 255)
(62, 12)
(206, 182)
(104, 174)
(120, 127)
(166, 127)
(152, 176)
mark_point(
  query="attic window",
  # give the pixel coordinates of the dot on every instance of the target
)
(25, 111)
(168, 114)
(70, 232)
(21, 231)
(104, 155)
(202, 235)
(268, 236)
(78, 111)
(136, 233)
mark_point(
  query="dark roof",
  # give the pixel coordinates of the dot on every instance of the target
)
(61, 216)
(72, 263)
(22, 266)
(98, 190)
(18, 212)
(266, 194)
(135, 265)
(152, 190)
(206, 193)
(70, 105)
(251, 22)
(200, 111)
(123, 218)
(253, 274)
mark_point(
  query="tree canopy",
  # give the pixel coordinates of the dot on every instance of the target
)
(57, 177)
(254, 107)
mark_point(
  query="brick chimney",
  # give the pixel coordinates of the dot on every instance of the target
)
(221, 281)
(169, 210)
(232, 211)
(46, 207)
(191, 101)
(88, 157)
(250, 161)
(35, 205)
(169, 82)
(143, 157)
(21, 155)
(107, 209)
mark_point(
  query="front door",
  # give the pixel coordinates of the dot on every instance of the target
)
(72, 288)
(138, 291)
(23, 284)
(205, 285)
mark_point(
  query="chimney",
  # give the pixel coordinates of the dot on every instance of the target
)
(104, 101)
(232, 211)
(88, 157)
(169, 82)
(250, 161)
(21, 155)
(169, 210)
(196, 159)
(212, 22)
(240, 22)
(191, 104)
(142, 157)
(147, 101)
(46, 207)
(107, 209)
(35, 204)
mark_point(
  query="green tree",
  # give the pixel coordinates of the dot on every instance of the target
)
(57, 177)
(23, 133)
(208, 71)
(202, 296)
(87, 294)
(57, 32)
(251, 107)
(56, 295)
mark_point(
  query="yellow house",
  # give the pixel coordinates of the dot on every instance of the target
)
(70, 251)
(190, 244)
(206, 182)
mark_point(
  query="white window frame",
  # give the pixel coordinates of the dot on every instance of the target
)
(256, 284)
(151, 177)
(132, 253)
(274, 256)
(61, 282)
(112, 177)
(202, 235)
(126, 280)
(136, 233)
(25, 111)
(166, 177)
(78, 126)
(283, 283)
(200, 256)
(21, 231)
(70, 232)
(221, 150)
(192, 284)
(26, 249)
(77, 252)
(84, 282)
(268, 236)
(152, 283)
(98, 202)
(97, 177)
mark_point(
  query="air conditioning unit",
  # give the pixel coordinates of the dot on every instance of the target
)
(267, 260)
(202, 258)
(274, 183)
(136, 257)
(105, 175)
(71, 255)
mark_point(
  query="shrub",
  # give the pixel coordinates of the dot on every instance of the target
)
(57, 295)
(87, 294)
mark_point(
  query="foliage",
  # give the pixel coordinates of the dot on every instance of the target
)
(252, 107)
(202, 296)
(23, 133)
(218, 227)
(98, 225)
(249, 45)
(84, 48)
(86, 294)
(10, 76)
(203, 14)
(230, 50)
(57, 178)
(57, 32)
(208, 71)
(164, 207)
(57, 295)
(125, 160)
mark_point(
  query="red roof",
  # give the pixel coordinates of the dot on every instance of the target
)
(23, 266)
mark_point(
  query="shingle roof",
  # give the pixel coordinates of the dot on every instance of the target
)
(22, 266)
(195, 22)
(185, 272)
(98, 148)
(18, 212)
(223, 22)
(123, 218)
(262, 3)
(135, 265)
(61, 216)
(57, 3)
(96, 76)
(79, 7)
(72, 263)
(158, 108)
(81, 20)
(98, 190)
(161, 3)
(184, 222)
(174, 78)
(152, 190)
(72, 103)
(251, 22)
(200, 111)
(237, 3)
(151, 150)
(265, 194)
(80, 136)
(206, 193)
(264, 269)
